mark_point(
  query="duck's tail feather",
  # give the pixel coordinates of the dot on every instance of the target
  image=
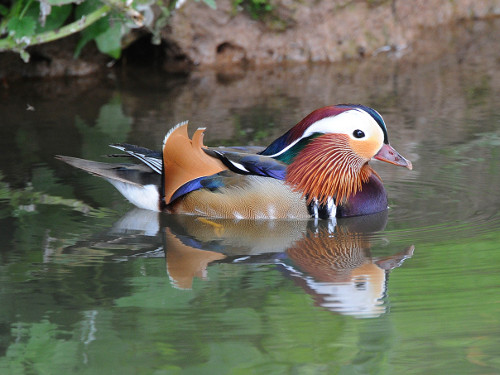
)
(135, 182)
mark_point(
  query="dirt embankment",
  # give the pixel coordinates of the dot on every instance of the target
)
(291, 32)
(312, 31)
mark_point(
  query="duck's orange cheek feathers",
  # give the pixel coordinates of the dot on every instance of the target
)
(366, 149)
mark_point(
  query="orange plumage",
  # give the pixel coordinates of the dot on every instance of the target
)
(337, 172)
(184, 160)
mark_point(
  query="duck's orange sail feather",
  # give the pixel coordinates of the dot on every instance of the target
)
(184, 159)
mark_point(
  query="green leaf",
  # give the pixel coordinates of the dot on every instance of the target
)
(62, 2)
(56, 18)
(210, 3)
(20, 27)
(94, 30)
(87, 7)
(109, 42)
(3, 10)
(25, 56)
(91, 32)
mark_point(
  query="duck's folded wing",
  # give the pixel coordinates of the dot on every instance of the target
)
(238, 164)
(149, 157)
(249, 163)
(240, 149)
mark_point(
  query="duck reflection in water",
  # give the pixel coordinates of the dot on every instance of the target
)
(332, 263)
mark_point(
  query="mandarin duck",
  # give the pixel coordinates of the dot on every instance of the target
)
(319, 169)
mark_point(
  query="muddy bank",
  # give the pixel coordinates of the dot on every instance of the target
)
(304, 31)
(292, 32)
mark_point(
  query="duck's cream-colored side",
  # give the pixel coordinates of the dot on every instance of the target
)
(249, 197)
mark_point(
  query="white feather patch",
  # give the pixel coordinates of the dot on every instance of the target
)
(238, 165)
(146, 197)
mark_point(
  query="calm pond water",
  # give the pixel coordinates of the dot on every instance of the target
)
(90, 285)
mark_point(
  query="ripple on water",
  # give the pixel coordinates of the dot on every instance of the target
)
(445, 202)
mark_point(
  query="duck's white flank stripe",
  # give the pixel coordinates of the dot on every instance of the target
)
(238, 165)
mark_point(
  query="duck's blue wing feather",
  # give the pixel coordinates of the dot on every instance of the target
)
(209, 182)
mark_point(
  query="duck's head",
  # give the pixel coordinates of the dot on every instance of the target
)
(328, 151)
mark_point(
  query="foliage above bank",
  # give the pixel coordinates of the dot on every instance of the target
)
(31, 22)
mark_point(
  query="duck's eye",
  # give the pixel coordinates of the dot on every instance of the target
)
(358, 133)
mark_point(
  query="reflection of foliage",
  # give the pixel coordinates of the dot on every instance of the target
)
(247, 315)
(39, 350)
(251, 319)
(111, 126)
(251, 127)
(479, 92)
(43, 221)
(446, 320)
(45, 211)
(483, 149)
(23, 201)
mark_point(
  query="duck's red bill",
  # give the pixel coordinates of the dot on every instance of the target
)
(388, 154)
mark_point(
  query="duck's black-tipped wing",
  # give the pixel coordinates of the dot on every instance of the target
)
(249, 163)
(152, 159)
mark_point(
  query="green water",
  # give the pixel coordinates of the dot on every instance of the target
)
(91, 286)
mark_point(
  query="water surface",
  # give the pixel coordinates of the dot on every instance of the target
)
(91, 285)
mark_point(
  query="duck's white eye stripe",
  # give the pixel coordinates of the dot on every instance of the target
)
(347, 122)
